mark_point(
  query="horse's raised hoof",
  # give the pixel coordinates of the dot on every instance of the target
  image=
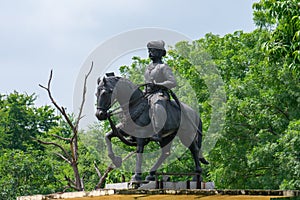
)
(150, 178)
(117, 161)
(204, 161)
(136, 178)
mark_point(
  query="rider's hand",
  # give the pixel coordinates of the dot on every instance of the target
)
(152, 84)
(156, 83)
(159, 85)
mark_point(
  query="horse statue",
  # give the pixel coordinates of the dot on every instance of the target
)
(182, 121)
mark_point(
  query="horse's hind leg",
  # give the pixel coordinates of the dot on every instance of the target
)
(195, 153)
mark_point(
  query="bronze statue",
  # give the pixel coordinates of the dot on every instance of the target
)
(160, 78)
(180, 120)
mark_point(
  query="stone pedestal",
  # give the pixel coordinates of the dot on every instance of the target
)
(163, 185)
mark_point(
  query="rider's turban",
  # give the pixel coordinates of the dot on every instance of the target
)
(157, 44)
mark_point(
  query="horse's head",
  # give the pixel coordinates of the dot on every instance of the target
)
(105, 95)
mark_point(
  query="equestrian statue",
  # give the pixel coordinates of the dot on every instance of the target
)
(149, 115)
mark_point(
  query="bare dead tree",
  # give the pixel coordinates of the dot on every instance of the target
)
(72, 157)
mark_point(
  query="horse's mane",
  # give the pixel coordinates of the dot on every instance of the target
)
(123, 80)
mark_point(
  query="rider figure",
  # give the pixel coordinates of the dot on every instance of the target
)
(159, 78)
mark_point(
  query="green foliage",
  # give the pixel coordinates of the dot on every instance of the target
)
(135, 72)
(262, 101)
(24, 166)
(259, 108)
(259, 71)
(289, 156)
(93, 151)
(24, 173)
(284, 18)
(20, 121)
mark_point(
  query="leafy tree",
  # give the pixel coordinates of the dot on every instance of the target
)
(24, 166)
(262, 100)
(289, 157)
(27, 173)
(282, 18)
(20, 120)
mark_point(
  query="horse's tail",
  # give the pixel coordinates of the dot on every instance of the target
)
(199, 135)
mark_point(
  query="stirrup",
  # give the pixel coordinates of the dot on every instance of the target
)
(157, 137)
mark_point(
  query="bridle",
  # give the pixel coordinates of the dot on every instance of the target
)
(115, 111)
(125, 105)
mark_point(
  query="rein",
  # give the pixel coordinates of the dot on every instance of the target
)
(134, 115)
(113, 112)
(118, 134)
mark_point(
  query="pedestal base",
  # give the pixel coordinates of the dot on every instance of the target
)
(163, 185)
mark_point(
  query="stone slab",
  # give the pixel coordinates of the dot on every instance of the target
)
(166, 185)
(178, 185)
(120, 186)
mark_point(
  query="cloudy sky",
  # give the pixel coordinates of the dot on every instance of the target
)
(39, 35)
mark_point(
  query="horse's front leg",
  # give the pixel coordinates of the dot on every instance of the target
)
(117, 161)
(139, 160)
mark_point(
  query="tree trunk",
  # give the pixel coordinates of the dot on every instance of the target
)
(77, 177)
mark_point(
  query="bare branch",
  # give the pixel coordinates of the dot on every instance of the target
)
(82, 182)
(43, 87)
(103, 178)
(48, 89)
(61, 109)
(55, 144)
(70, 158)
(97, 169)
(69, 180)
(63, 157)
(79, 117)
(128, 156)
(60, 137)
(65, 188)
(67, 118)
(71, 184)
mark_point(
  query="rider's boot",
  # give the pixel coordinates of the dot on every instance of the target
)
(131, 139)
(159, 117)
(157, 130)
